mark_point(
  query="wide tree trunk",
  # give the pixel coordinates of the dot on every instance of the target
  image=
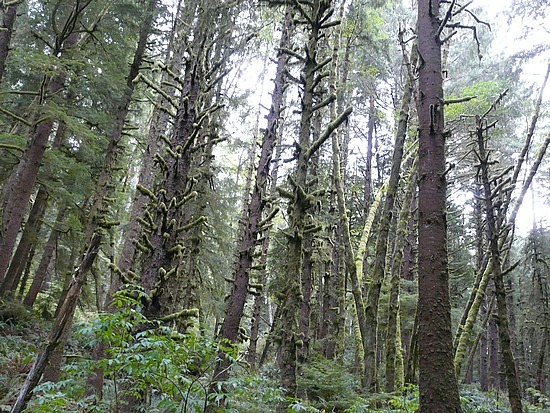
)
(437, 382)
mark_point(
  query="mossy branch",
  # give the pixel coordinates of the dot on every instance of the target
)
(146, 192)
(186, 313)
(328, 131)
(157, 89)
(13, 147)
(16, 117)
(269, 218)
(200, 220)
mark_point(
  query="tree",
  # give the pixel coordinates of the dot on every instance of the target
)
(257, 205)
(9, 12)
(437, 381)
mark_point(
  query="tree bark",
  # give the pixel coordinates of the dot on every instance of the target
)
(65, 314)
(514, 392)
(16, 197)
(393, 334)
(437, 381)
(301, 200)
(9, 14)
(47, 253)
(378, 271)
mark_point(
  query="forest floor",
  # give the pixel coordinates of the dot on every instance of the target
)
(327, 385)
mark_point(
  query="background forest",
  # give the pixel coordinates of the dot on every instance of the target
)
(225, 206)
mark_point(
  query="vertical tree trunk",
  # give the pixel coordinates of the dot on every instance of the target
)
(334, 293)
(258, 299)
(28, 238)
(6, 30)
(378, 271)
(393, 334)
(514, 392)
(159, 125)
(301, 200)
(47, 253)
(34, 222)
(16, 197)
(494, 355)
(484, 352)
(367, 194)
(437, 381)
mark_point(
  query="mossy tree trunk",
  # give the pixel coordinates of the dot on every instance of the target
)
(314, 13)
(263, 276)
(378, 271)
(98, 218)
(493, 231)
(470, 313)
(394, 356)
(334, 292)
(172, 224)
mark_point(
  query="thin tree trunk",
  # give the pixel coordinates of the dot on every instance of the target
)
(393, 334)
(6, 30)
(28, 239)
(47, 253)
(514, 393)
(16, 197)
(65, 314)
(378, 272)
(258, 299)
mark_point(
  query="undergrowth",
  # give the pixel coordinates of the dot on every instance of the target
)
(171, 373)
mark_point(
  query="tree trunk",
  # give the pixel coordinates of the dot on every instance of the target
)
(378, 271)
(393, 334)
(28, 239)
(97, 219)
(6, 30)
(301, 200)
(259, 298)
(437, 382)
(47, 253)
(16, 197)
(514, 392)
(65, 314)
(159, 125)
